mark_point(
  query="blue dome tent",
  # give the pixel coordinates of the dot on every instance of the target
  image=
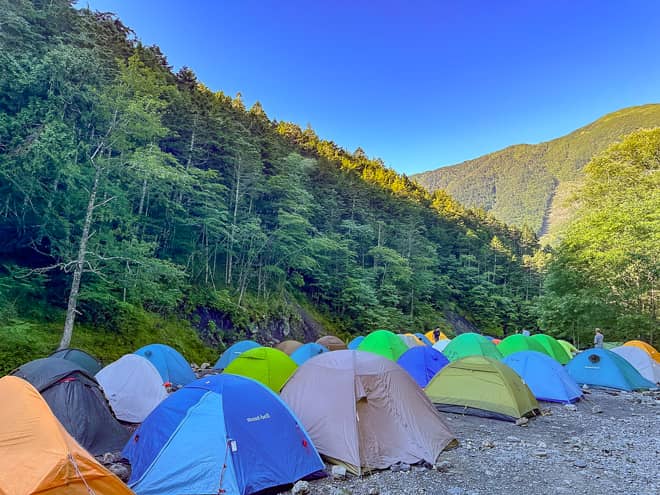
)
(422, 363)
(307, 351)
(545, 377)
(233, 351)
(355, 343)
(219, 434)
(603, 368)
(171, 365)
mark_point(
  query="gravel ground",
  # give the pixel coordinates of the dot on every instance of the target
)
(608, 443)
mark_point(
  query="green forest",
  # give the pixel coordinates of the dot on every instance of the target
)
(529, 184)
(137, 205)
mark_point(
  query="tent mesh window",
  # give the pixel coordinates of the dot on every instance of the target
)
(594, 358)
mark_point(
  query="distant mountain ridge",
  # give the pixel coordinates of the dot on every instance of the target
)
(528, 184)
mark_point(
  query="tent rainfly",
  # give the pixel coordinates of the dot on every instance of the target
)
(38, 456)
(365, 412)
(133, 387)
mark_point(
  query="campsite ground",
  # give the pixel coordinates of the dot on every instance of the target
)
(608, 444)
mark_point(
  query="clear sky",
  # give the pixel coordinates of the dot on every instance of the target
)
(419, 84)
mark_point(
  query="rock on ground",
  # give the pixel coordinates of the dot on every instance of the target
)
(571, 451)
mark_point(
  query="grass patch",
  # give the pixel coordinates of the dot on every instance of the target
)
(23, 341)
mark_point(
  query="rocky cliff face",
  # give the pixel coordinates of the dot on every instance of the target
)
(217, 329)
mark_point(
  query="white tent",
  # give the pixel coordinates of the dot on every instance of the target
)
(441, 344)
(641, 361)
(133, 387)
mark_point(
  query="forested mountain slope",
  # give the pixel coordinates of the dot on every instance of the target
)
(522, 184)
(129, 192)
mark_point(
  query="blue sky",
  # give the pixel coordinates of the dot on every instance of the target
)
(420, 84)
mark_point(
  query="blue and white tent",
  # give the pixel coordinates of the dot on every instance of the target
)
(603, 368)
(171, 365)
(422, 363)
(545, 377)
(233, 352)
(307, 351)
(220, 434)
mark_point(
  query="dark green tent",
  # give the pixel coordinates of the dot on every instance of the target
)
(81, 358)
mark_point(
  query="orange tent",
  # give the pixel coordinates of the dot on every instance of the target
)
(429, 335)
(37, 455)
(650, 350)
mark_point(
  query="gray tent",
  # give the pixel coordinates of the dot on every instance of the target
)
(133, 387)
(76, 400)
(364, 411)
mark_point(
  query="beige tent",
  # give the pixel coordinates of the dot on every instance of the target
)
(364, 411)
(37, 455)
(288, 346)
(332, 343)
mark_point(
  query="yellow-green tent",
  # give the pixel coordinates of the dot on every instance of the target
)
(570, 349)
(481, 386)
(264, 364)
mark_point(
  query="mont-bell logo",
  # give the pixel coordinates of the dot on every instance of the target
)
(261, 417)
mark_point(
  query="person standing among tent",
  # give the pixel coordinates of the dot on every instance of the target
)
(526, 332)
(436, 334)
(598, 339)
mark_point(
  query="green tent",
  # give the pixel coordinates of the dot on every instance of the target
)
(570, 349)
(553, 348)
(471, 344)
(520, 342)
(264, 364)
(383, 343)
(481, 386)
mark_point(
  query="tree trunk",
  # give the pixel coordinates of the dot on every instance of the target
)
(80, 263)
(191, 148)
(230, 261)
(142, 197)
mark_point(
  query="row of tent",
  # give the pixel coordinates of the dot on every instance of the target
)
(75, 385)
(231, 434)
(395, 386)
(393, 346)
(494, 370)
(355, 408)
